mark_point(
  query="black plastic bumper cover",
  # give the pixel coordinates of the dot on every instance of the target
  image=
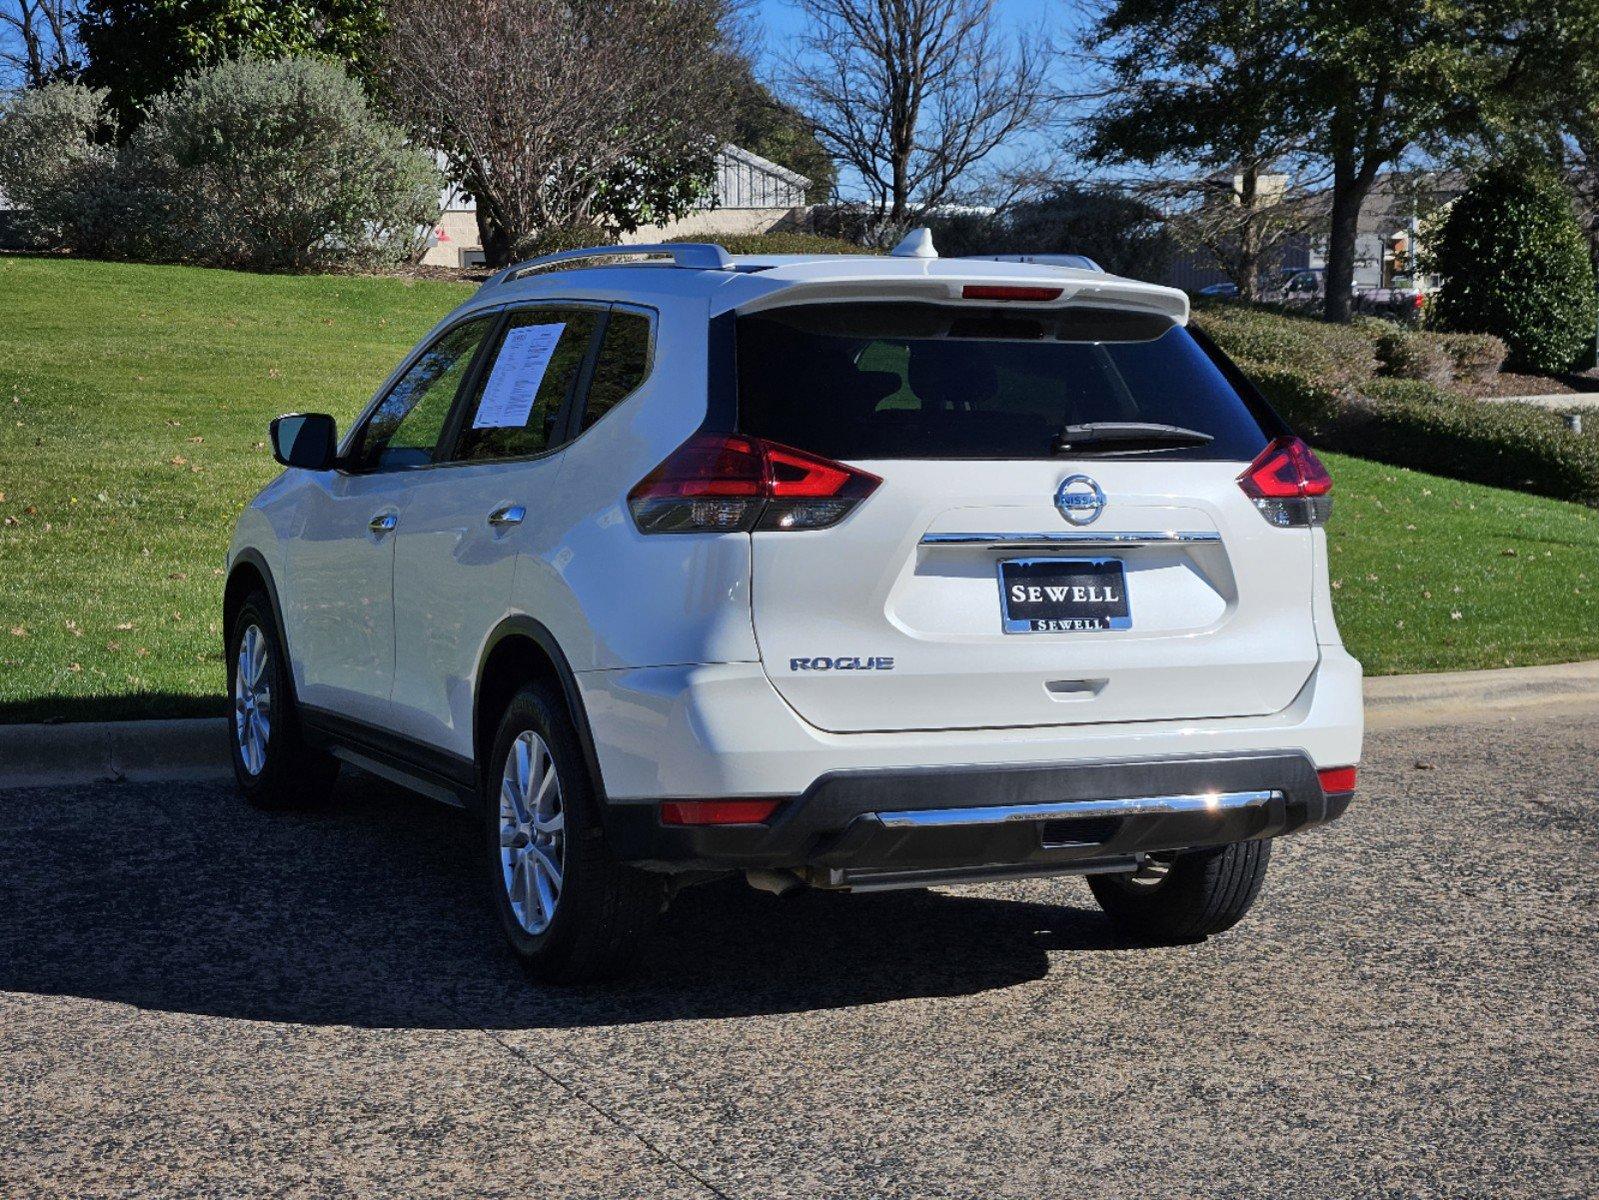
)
(835, 823)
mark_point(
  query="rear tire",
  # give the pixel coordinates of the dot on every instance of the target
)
(571, 911)
(272, 764)
(1201, 892)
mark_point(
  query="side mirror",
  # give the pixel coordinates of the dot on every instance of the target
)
(308, 440)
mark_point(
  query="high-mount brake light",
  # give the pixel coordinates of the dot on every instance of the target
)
(992, 291)
(1288, 484)
(727, 483)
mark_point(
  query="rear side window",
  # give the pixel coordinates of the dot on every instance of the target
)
(518, 396)
(905, 380)
(623, 362)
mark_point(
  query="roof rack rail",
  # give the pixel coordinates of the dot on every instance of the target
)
(701, 256)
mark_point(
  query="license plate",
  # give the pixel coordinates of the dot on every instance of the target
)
(1057, 595)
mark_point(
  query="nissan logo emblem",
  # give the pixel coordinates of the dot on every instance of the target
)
(1079, 499)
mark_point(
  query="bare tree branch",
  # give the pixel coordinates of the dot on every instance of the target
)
(914, 95)
(558, 114)
(38, 41)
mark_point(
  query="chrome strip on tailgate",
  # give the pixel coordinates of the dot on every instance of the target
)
(1066, 810)
(1147, 537)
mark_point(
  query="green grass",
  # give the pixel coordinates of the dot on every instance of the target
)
(136, 402)
(1433, 574)
(136, 405)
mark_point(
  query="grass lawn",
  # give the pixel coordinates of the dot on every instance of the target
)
(137, 399)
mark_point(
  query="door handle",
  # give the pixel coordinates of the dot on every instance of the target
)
(511, 514)
(383, 523)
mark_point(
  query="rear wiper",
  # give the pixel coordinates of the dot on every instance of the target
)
(1126, 434)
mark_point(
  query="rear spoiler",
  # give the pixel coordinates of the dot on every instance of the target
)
(1078, 290)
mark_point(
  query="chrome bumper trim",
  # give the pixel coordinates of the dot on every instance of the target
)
(1067, 810)
(1080, 537)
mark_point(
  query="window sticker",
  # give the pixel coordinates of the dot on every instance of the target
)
(514, 382)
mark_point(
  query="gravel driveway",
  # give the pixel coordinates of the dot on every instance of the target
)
(197, 999)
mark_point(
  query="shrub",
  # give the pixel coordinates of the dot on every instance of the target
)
(1334, 356)
(281, 164)
(1477, 357)
(1516, 264)
(553, 241)
(1410, 423)
(50, 163)
(784, 242)
(1405, 355)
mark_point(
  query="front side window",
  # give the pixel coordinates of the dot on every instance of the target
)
(914, 380)
(404, 430)
(623, 362)
(519, 397)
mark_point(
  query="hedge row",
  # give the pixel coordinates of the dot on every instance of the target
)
(1409, 423)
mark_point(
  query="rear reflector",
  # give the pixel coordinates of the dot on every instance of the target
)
(1337, 780)
(725, 483)
(717, 812)
(1288, 484)
(985, 291)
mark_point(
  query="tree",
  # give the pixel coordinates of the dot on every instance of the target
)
(566, 113)
(1379, 79)
(1195, 90)
(138, 49)
(764, 125)
(1516, 264)
(914, 95)
(1353, 86)
(38, 41)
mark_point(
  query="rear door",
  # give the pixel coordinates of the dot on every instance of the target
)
(465, 524)
(1152, 590)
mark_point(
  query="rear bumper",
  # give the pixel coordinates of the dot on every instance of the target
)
(865, 829)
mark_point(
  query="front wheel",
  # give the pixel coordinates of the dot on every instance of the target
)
(571, 911)
(1185, 896)
(272, 764)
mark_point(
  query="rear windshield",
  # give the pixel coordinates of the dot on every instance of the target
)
(907, 380)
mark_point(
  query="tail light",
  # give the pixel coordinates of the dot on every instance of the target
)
(725, 483)
(1337, 781)
(1288, 484)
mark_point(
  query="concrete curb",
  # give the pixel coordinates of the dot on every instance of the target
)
(183, 750)
(1460, 697)
(88, 752)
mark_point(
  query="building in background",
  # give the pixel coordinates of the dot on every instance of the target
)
(748, 195)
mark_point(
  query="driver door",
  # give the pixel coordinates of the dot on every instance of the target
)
(338, 591)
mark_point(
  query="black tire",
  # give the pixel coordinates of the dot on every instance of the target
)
(603, 909)
(288, 773)
(1202, 892)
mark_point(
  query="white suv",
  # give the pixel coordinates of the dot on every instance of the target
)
(854, 572)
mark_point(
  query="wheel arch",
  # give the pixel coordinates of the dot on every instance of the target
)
(520, 651)
(250, 573)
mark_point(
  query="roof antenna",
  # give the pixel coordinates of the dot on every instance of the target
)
(918, 243)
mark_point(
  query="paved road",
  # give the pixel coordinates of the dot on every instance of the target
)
(196, 999)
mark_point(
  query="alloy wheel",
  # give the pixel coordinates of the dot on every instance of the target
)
(252, 700)
(532, 833)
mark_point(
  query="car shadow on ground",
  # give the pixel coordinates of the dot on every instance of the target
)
(369, 913)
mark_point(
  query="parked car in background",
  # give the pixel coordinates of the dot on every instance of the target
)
(1404, 302)
(849, 572)
(1219, 291)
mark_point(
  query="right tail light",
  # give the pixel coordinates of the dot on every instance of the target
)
(1288, 484)
(727, 483)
